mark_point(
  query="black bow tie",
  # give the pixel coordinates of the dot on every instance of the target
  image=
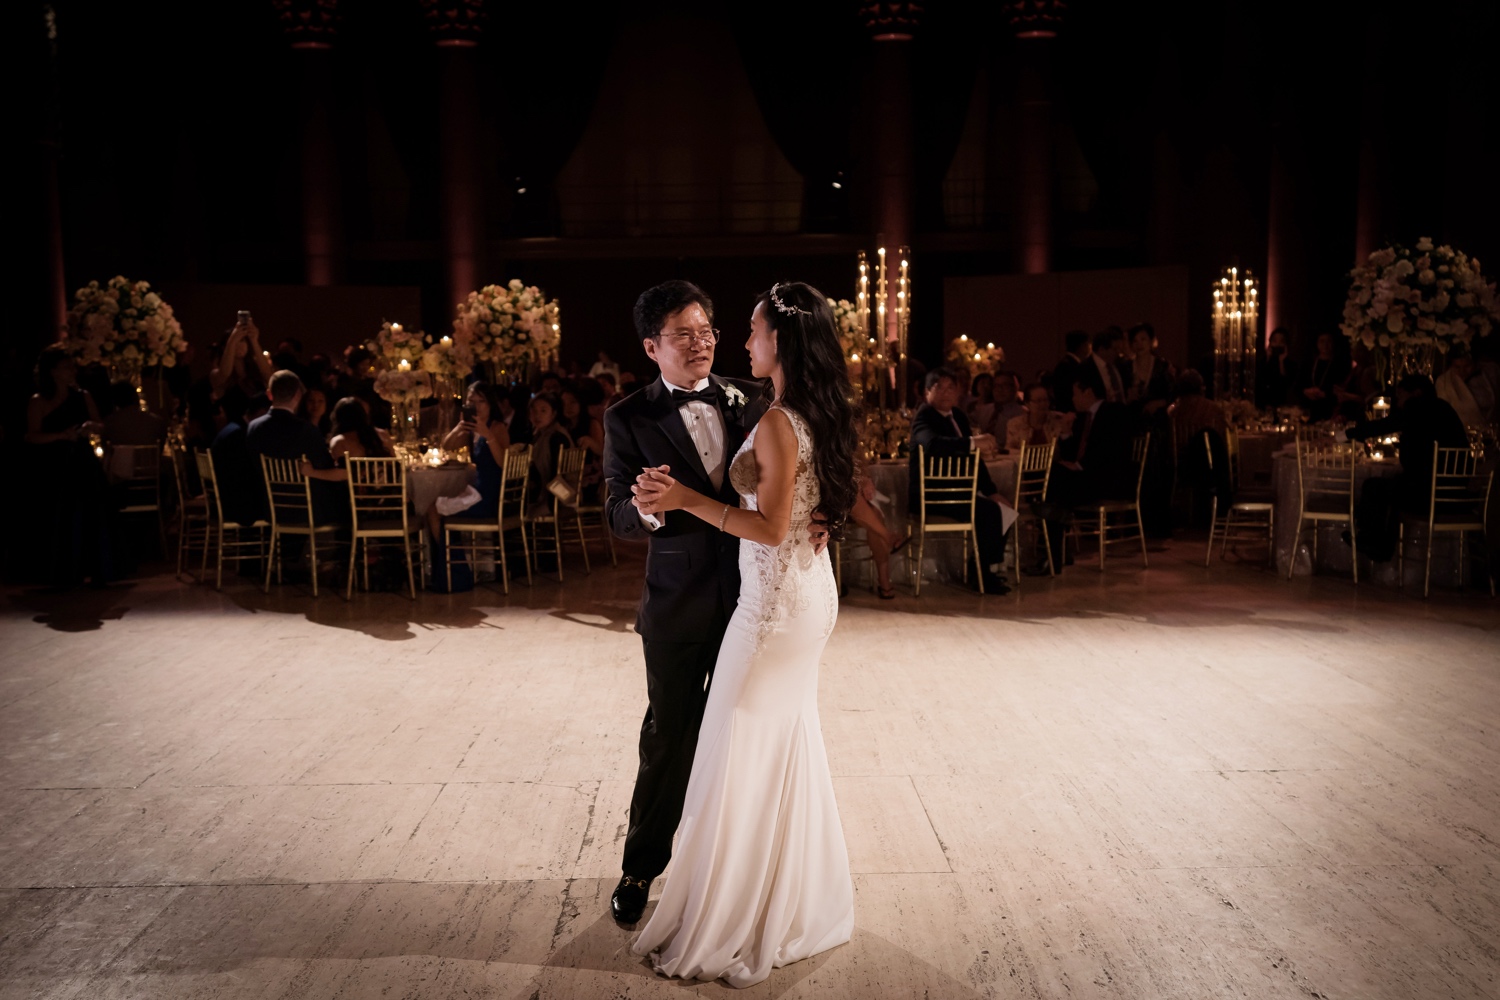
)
(709, 395)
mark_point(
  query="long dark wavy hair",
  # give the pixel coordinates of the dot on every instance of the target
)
(350, 420)
(816, 385)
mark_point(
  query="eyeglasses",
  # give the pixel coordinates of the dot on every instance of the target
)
(685, 338)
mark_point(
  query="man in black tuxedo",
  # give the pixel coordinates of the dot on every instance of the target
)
(939, 427)
(1093, 462)
(693, 422)
(1079, 347)
(280, 433)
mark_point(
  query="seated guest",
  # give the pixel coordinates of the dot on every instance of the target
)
(1150, 377)
(237, 471)
(1038, 423)
(1066, 373)
(1326, 380)
(353, 434)
(880, 539)
(981, 408)
(548, 438)
(514, 413)
(940, 428)
(1109, 355)
(1452, 388)
(127, 423)
(1422, 420)
(1192, 414)
(1277, 373)
(315, 409)
(1009, 402)
(1093, 462)
(283, 434)
(485, 435)
(583, 418)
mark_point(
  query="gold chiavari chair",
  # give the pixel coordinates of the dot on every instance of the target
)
(378, 509)
(1033, 473)
(1104, 518)
(1255, 518)
(515, 472)
(291, 502)
(137, 471)
(227, 538)
(1325, 493)
(194, 519)
(945, 506)
(1456, 506)
(569, 470)
(592, 524)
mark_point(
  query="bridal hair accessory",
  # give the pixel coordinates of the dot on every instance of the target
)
(782, 307)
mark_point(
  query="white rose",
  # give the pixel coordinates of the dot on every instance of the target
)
(1426, 276)
(1394, 323)
(1425, 243)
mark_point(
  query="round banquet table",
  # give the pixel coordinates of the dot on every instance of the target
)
(943, 559)
(426, 483)
(1333, 554)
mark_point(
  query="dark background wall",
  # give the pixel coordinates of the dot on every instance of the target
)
(619, 144)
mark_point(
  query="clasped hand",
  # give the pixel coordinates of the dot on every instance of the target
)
(656, 492)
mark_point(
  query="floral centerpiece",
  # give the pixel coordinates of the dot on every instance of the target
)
(508, 326)
(125, 326)
(447, 361)
(853, 337)
(1407, 304)
(398, 378)
(974, 358)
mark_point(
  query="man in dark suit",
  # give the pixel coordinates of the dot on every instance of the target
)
(241, 493)
(693, 422)
(1066, 373)
(283, 434)
(1423, 421)
(1093, 462)
(939, 427)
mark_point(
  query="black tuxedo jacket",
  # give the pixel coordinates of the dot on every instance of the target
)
(282, 434)
(1108, 471)
(1063, 377)
(934, 433)
(692, 568)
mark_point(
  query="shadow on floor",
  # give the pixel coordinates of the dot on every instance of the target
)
(80, 609)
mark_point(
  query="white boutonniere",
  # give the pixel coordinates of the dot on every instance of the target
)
(733, 396)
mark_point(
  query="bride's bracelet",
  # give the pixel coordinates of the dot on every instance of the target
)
(723, 517)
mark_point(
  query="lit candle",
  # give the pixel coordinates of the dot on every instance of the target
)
(447, 341)
(404, 365)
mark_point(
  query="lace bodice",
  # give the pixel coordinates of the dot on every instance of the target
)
(778, 582)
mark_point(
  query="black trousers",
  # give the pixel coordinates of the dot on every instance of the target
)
(989, 528)
(677, 679)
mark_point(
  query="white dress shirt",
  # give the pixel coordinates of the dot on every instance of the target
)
(705, 425)
(1114, 387)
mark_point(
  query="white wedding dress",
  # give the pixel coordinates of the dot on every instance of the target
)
(760, 874)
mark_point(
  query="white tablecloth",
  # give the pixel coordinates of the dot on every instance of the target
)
(426, 483)
(943, 558)
(1333, 554)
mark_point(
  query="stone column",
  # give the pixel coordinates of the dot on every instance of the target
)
(310, 27)
(1035, 24)
(1285, 283)
(1368, 221)
(456, 27)
(892, 158)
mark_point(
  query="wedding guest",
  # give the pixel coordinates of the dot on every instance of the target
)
(939, 428)
(1276, 375)
(315, 409)
(1009, 402)
(1325, 378)
(236, 469)
(604, 366)
(583, 418)
(609, 385)
(1038, 423)
(1065, 374)
(1422, 420)
(981, 410)
(353, 434)
(486, 437)
(241, 367)
(283, 434)
(1453, 388)
(1109, 357)
(127, 423)
(549, 438)
(516, 412)
(1093, 461)
(550, 383)
(1150, 377)
(881, 540)
(1191, 414)
(64, 476)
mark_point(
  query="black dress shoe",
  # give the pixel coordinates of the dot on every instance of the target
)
(995, 585)
(629, 899)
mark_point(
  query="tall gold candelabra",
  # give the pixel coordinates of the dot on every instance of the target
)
(1236, 321)
(886, 323)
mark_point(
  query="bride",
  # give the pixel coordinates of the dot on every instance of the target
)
(760, 877)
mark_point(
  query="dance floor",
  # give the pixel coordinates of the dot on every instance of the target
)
(1170, 783)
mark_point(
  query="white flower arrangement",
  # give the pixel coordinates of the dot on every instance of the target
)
(123, 324)
(733, 396)
(508, 325)
(853, 338)
(446, 358)
(398, 354)
(975, 358)
(1420, 297)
